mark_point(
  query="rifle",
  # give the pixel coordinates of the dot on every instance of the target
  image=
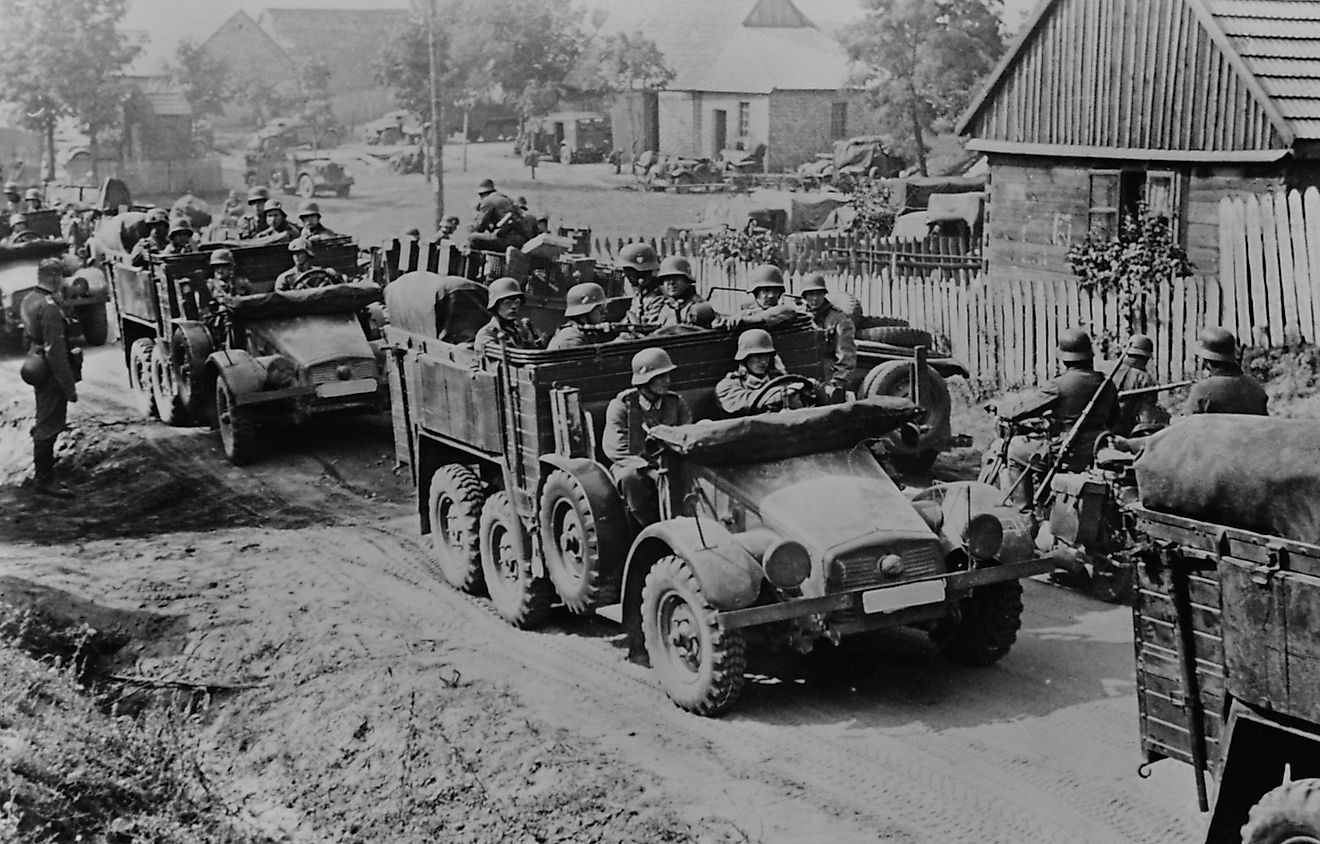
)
(1068, 441)
(1158, 388)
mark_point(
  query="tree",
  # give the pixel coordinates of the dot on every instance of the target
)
(626, 65)
(314, 96)
(204, 78)
(920, 62)
(64, 60)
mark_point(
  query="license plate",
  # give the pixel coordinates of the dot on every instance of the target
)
(335, 389)
(902, 597)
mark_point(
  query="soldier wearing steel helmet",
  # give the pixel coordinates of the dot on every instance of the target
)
(767, 308)
(757, 365)
(1137, 413)
(13, 199)
(33, 200)
(309, 217)
(1225, 388)
(51, 370)
(506, 328)
(680, 287)
(180, 239)
(639, 263)
(278, 228)
(628, 418)
(297, 276)
(157, 224)
(223, 284)
(255, 219)
(840, 335)
(583, 311)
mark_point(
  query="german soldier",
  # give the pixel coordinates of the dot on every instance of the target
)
(639, 263)
(309, 215)
(32, 200)
(1225, 387)
(13, 200)
(840, 334)
(1137, 413)
(51, 370)
(255, 219)
(757, 366)
(629, 416)
(180, 239)
(506, 327)
(278, 228)
(157, 223)
(585, 308)
(680, 289)
(295, 277)
(499, 222)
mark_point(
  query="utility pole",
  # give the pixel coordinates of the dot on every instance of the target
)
(437, 117)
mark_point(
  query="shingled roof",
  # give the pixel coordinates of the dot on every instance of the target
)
(1279, 42)
(736, 46)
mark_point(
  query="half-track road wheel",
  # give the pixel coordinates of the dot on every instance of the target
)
(699, 665)
(238, 430)
(1290, 814)
(991, 618)
(520, 599)
(572, 547)
(139, 376)
(455, 507)
(171, 410)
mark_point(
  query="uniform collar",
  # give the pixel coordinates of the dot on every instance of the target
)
(647, 403)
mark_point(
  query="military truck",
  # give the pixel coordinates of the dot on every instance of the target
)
(271, 358)
(1227, 655)
(86, 293)
(783, 522)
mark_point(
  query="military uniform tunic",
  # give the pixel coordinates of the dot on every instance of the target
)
(679, 311)
(1228, 389)
(736, 390)
(1136, 411)
(571, 335)
(628, 417)
(648, 308)
(47, 334)
(842, 337)
(517, 334)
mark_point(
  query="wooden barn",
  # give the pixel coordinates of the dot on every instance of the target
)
(1103, 103)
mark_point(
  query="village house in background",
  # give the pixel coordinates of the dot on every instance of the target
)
(747, 72)
(1179, 103)
(274, 45)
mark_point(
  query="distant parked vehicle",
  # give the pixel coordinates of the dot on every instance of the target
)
(305, 172)
(864, 156)
(281, 133)
(393, 128)
(572, 137)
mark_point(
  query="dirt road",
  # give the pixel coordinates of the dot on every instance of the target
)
(379, 705)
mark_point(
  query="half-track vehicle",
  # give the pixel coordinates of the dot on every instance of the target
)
(783, 522)
(1227, 656)
(268, 357)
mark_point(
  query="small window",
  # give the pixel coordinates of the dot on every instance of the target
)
(744, 120)
(838, 121)
(1115, 194)
(1102, 219)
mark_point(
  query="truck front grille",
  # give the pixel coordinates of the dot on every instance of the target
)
(325, 373)
(861, 568)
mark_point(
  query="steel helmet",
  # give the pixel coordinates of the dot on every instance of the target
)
(157, 215)
(501, 289)
(815, 281)
(258, 193)
(222, 256)
(275, 205)
(309, 207)
(754, 341)
(1218, 344)
(702, 314)
(486, 186)
(180, 226)
(300, 245)
(11, 187)
(766, 276)
(1139, 346)
(32, 193)
(639, 256)
(676, 265)
(1075, 345)
(649, 363)
(582, 298)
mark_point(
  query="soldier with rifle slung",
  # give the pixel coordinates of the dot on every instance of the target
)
(51, 370)
(506, 328)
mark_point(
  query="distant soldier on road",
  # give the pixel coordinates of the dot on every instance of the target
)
(50, 370)
(255, 219)
(309, 215)
(1225, 387)
(585, 307)
(840, 333)
(506, 328)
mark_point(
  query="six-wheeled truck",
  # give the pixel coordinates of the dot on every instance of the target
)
(270, 357)
(783, 522)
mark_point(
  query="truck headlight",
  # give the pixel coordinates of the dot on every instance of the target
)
(983, 537)
(787, 563)
(280, 372)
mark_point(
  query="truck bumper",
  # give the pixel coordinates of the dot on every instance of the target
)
(863, 599)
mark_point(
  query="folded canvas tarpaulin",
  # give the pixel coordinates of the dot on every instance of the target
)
(1247, 472)
(449, 308)
(331, 299)
(33, 250)
(787, 433)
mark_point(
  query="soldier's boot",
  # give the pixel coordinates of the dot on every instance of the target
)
(43, 462)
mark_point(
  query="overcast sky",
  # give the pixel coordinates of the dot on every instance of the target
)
(168, 21)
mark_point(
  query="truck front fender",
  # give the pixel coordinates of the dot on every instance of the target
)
(240, 371)
(729, 575)
(960, 501)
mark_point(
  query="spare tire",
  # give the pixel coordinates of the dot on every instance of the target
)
(847, 303)
(893, 378)
(903, 336)
(867, 322)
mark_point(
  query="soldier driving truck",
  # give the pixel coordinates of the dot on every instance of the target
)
(577, 477)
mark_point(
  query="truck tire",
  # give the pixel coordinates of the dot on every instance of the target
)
(189, 362)
(903, 336)
(1289, 813)
(306, 187)
(171, 410)
(95, 324)
(455, 507)
(991, 617)
(238, 429)
(893, 378)
(520, 599)
(139, 376)
(571, 545)
(700, 665)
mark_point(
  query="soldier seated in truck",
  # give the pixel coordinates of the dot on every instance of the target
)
(584, 314)
(278, 228)
(18, 228)
(630, 415)
(740, 393)
(157, 223)
(180, 239)
(309, 215)
(506, 328)
(301, 275)
(680, 288)
(839, 331)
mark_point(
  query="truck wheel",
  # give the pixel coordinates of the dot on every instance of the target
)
(139, 376)
(455, 508)
(189, 388)
(903, 336)
(1290, 814)
(306, 187)
(700, 666)
(169, 407)
(991, 617)
(238, 430)
(520, 599)
(95, 324)
(893, 378)
(572, 548)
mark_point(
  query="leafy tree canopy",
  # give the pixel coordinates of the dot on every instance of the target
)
(922, 60)
(204, 78)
